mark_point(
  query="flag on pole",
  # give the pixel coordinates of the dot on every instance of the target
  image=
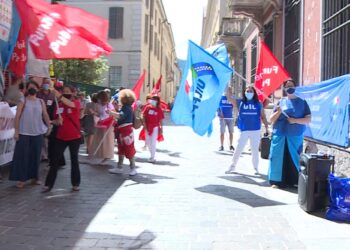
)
(270, 74)
(204, 80)
(138, 85)
(157, 87)
(19, 56)
(9, 27)
(60, 31)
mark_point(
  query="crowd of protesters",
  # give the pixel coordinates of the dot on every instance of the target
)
(50, 119)
(53, 117)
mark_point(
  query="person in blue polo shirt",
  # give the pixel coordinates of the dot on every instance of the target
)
(225, 113)
(250, 115)
(289, 118)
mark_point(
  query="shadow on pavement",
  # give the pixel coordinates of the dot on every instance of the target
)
(62, 219)
(247, 179)
(163, 163)
(223, 153)
(170, 153)
(146, 179)
(239, 195)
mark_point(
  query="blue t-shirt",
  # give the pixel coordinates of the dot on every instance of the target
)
(126, 115)
(249, 115)
(225, 107)
(294, 108)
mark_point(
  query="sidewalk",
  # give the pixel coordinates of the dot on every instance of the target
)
(184, 201)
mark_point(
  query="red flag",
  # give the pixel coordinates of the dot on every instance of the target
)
(157, 87)
(60, 31)
(19, 56)
(138, 85)
(270, 74)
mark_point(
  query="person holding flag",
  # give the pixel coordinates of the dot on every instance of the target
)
(289, 118)
(125, 133)
(152, 116)
(67, 118)
(250, 115)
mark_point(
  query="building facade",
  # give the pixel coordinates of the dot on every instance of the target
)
(142, 39)
(311, 38)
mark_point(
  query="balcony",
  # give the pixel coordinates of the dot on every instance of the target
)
(254, 9)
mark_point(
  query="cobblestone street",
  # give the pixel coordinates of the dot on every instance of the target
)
(184, 201)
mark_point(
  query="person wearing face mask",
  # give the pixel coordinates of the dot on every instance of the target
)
(250, 115)
(102, 148)
(67, 119)
(152, 116)
(49, 98)
(289, 118)
(29, 131)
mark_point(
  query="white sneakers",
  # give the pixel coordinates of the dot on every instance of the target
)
(151, 160)
(231, 169)
(133, 172)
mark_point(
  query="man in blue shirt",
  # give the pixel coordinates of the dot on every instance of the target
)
(225, 112)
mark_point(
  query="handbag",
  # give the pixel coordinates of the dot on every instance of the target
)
(137, 121)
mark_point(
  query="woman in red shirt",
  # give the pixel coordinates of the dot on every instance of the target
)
(152, 116)
(68, 135)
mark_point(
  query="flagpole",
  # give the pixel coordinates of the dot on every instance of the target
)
(259, 92)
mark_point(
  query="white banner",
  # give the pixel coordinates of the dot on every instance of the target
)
(7, 132)
(5, 19)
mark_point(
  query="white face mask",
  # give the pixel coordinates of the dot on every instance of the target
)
(154, 103)
(249, 95)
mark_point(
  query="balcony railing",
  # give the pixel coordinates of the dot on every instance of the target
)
(233, 26)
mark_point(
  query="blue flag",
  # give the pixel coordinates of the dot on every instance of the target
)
(219, 51)
(203, 82)
(329, 105)
(9, 28)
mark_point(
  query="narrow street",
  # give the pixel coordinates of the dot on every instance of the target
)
(184, 201)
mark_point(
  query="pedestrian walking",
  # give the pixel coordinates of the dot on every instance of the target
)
(125, 117)
(29, 131)
(152, 117)
(225, 113)
(68, 135)
(250, 115)
(289, 118)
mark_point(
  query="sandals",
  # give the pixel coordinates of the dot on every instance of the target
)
(20, 185)
(46, 189)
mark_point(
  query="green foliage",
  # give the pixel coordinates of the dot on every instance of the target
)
(81, 70)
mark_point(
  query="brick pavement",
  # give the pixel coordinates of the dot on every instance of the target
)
(184, 201)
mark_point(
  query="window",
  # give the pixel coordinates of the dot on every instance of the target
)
(292, 38)
(146, 29)
(254, 47)
(268, 35)
(115, 76)
(151, 38)
(160, 25)
(147, 4)
(336, 38)
(115, 29)
(152, 8)
(155, 44)
(155, 18)
(244, 67)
